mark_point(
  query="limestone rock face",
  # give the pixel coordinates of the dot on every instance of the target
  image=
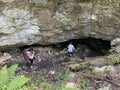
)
(18, 27)
(7, 1)
(27, 22)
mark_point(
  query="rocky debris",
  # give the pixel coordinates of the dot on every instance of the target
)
(115, 74)
(103, 70)
(108, 60)
(71, 84)
(72, 75)
(51, 72)
(75, 64)
(5, 57)
(115, 44)
(51, 65)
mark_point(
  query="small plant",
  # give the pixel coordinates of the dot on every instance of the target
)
(37, 79)
(46, 86)
(11, 19)
(19, 29)
(70, 88)
(8, 80)
(57, 87)
(83, 84)
(40, 80)
(104, 88)
(62, 76)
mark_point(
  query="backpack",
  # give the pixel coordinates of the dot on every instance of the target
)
(25, 55)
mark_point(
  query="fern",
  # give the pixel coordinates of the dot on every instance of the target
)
(3, 77)
(20, 80)
(12, 70)
(8, 81)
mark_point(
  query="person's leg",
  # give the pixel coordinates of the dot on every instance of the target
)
(70, 54)
(31, 60)
(32, 67)
(28, 64)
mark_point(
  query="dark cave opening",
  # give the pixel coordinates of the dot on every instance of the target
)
(90, 46)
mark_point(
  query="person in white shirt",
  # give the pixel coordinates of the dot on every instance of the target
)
(71, 48)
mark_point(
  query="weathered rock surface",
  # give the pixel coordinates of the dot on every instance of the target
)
(27, 22)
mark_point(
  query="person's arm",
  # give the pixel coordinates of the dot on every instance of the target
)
(73, 48)
(31, 55)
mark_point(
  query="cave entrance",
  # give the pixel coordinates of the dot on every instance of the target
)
(90, 46)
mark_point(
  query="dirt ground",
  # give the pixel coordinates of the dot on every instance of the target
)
(51, 59)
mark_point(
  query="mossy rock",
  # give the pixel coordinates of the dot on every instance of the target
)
(114, 60)
(78, 66)
(84, 65)
(74, 67)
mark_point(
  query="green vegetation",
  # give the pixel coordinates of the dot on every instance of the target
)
(83, 84)
(62, 76)
(104, 88)
(37, 82)
(8, 80)
(57, 87)
(11, 19)
(70, 88)
(19, 29)
(60, 17)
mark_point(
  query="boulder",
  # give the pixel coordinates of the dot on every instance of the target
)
(115, 43)
(5, 58)
(103, 70)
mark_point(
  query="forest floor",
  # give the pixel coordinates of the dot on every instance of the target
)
(53, 69)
